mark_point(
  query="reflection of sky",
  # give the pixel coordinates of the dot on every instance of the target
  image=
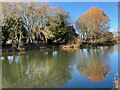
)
(80, 81)
(17, 58)
(10, 59)
(78, 8)
(61, 65)
(114, 62)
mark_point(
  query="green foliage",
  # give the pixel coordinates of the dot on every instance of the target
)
(63, 34)
(36, 23)
(60, 27)
(13, 29)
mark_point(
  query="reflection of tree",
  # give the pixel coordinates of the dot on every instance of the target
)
(36, 70)
(93, 64)
(43, 69)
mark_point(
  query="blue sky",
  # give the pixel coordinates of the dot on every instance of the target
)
(78, 8)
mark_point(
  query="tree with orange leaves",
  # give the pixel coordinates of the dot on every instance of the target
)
(93, 24)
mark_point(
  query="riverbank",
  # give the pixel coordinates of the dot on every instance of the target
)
(45, 47)
(87, 45)
(95, 44)
(117, 84)
(29, 47)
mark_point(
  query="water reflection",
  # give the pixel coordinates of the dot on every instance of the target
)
(54, 68)
(94, 63)
(36, 70)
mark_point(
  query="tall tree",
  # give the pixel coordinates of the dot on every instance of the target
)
(60, 26)
(93, 24)
(39, 20)
(13, 25)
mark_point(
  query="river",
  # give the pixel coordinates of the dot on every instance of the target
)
(84, 68)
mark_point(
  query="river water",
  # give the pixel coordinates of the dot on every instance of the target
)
(84, 68)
